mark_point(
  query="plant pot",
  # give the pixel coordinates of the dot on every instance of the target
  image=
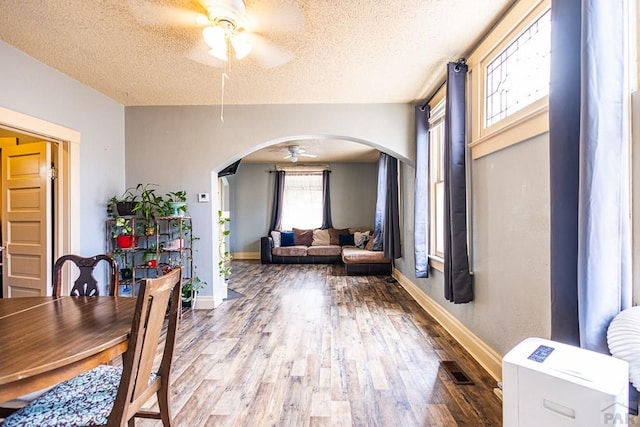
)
(125, 208)
(178, 208)
(189, 298)
(125, 241)
(126, 273)
(150, 259)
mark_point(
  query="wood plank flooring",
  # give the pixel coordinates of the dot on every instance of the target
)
(309, 346)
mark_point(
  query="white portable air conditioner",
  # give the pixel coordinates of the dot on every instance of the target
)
(546, 383)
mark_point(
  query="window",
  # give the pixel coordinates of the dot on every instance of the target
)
(302, 200)
(436, 180)
(519, 75)
(508, 80)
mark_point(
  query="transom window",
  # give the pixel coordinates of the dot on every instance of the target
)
(519, 75)
(302, 200)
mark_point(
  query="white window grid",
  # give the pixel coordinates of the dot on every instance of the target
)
(519, 75)
(436, 180)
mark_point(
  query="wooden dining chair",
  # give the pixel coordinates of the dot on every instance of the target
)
(112, 396)
(86, 284)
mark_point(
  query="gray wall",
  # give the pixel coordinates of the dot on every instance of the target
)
(30, 87)
(510, 249)
(353, 199)
(180, 147)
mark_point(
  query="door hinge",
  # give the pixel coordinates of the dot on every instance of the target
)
(52, 173)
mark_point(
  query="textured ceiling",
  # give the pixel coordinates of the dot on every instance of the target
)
(150, 52)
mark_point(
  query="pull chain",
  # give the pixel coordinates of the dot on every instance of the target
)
(225, 77)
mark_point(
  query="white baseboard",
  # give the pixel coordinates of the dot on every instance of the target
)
(245, 255)
(484, 355)
(204, 303)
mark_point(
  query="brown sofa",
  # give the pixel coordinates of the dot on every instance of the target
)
(362, 261)
(304, 251)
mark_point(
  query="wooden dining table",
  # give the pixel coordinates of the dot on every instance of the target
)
(46, 340)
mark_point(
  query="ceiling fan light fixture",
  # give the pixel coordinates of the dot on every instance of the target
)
(215, 36)
(241, 44)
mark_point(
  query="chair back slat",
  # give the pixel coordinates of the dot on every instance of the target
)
(86, 284)
(153, 297)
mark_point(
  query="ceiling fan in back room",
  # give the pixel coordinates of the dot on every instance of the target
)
(295, 152)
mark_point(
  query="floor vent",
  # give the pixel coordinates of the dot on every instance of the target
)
(456, 373)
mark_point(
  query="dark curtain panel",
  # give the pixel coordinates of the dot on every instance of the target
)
(326, 200)
(458, 284)
(421, 192)
(589, 176)
(230, 170)
(278, 194)
(386, 235)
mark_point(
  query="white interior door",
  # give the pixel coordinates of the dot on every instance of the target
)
(26, 210)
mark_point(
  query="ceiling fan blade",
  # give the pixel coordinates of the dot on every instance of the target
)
(274, 16)
(287, 156)
(200, 53)
(149, 13)
(307, 155)
(268, 54)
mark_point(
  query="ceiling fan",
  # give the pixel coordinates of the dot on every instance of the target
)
(295, 152)
(229, 27)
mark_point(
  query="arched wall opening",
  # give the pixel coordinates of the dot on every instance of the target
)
(353, 190)
(190, 145)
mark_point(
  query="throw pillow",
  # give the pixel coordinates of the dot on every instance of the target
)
(275, 235)
(287, 238)
(369, 246)
(321, 238)
(334, 235)
(303, 237)
(360, 239)
(346, 240)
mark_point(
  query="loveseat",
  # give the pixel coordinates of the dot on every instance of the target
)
(352, 247)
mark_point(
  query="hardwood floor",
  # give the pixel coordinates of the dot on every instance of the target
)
(309, 346)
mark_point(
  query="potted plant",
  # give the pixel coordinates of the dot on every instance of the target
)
(190, 289)
(122, 231)
(192, 285)
(224, 265)
(149, 205)
(176, 202)
(123, 205)
(150, 257)
(126, 272)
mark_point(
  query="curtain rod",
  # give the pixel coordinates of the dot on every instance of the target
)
(475, 46)
(328, 170)
(444, 82)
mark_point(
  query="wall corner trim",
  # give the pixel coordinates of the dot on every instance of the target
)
(488, 358)
(245, 255)
(205, 303)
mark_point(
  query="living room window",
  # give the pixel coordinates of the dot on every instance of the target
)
(436, 181)
(302, 200)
